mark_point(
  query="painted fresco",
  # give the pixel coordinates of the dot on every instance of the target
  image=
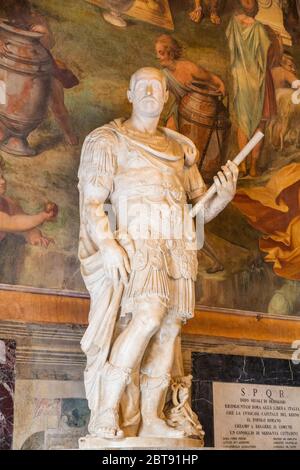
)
(64, 70)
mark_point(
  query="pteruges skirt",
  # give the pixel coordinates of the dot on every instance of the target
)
(162, 270)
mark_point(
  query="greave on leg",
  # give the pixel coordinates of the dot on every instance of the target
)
(153, 396)
(104, 421)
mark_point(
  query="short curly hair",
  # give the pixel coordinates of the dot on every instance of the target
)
(171, 46)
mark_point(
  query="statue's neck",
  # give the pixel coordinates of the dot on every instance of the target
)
(144, 124)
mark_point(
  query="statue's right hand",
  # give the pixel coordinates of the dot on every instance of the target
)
(116, 262)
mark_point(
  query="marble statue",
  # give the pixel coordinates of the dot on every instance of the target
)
(143, 269)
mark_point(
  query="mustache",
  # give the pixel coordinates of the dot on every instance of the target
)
(149, 96)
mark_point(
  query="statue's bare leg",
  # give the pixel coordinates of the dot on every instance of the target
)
(155, 377)
(129, 347)
(126, 355)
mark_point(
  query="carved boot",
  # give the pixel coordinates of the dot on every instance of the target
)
(153, 396)
(104, 421)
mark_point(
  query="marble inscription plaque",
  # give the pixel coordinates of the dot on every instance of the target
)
(250, 416)
(239, 371)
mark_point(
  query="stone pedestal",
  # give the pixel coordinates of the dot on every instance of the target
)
(134, 443)
(270, 13)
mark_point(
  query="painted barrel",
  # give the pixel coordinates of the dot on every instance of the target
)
(25, 74)
(204, 118)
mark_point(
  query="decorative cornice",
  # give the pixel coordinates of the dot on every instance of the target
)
(234, 325)
(56, 345)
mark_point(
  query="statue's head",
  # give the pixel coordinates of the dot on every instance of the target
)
(148, 92)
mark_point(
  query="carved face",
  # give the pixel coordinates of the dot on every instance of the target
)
(149, 94)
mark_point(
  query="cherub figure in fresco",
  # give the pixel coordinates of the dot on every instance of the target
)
(254, 49)
(14, 220)
(212, 6)
(21, 15)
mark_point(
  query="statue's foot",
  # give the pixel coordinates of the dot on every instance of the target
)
(108, 432)
(159, 428)
(106, 425)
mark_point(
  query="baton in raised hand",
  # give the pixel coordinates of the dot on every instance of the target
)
(237, 160)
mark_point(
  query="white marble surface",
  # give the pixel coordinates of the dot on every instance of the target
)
(147, 266)
(2, 352)
(98, 443)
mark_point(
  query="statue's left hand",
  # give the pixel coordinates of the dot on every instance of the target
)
(115, 261)
(226, 180)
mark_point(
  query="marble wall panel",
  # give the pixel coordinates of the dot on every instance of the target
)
(7, 384)
(209, 368)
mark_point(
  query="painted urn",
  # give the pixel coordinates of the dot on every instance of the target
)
(25, 78)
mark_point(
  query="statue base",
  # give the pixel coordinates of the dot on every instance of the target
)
(134, 443)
